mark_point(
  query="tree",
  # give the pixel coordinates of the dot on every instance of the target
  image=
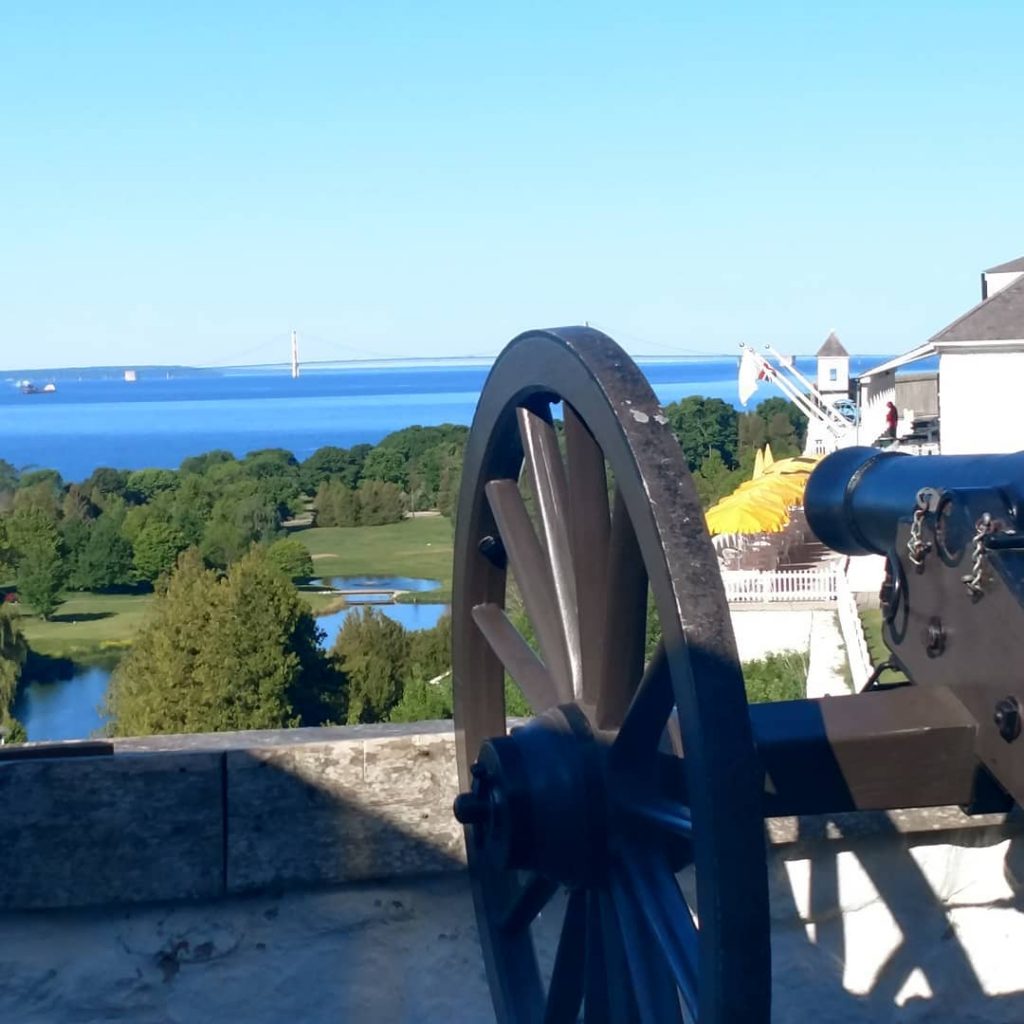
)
(424, 701)
(76, 504)
(156, 549)
(41, 496)
(372, 651)
(336, 504)
(291, 557)
(201, 464)
(40, 568)
(103, 482)
(144, 485)
(388, 465)
(379, 503)
(448, 486)
(105, 560)
(8, 476)
(239, 651)
(768, 409)
(704, 425)
(13, 652)
(714, 480)
(330, 463)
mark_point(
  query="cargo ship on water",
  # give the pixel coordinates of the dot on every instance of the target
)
(28, 388)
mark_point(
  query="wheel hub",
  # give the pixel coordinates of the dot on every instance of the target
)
(538, 799)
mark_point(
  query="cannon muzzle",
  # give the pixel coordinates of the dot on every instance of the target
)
(856, 496)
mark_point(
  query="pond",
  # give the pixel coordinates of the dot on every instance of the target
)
(64, 709)
(375, 584)
(68, 709)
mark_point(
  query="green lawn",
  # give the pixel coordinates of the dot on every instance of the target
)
(871, 620)
(88, 625)
(420, 547)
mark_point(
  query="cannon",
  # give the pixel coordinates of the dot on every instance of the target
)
(632, 803)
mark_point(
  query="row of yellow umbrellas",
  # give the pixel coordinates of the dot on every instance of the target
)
(762, 504)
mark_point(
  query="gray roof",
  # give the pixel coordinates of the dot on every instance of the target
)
(1006, 268)
(832, 347)
(999, 318)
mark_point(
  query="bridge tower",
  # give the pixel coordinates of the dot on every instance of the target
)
(295, 355)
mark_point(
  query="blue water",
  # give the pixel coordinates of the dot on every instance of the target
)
(68, 709)
(159, 422)
(372, 584)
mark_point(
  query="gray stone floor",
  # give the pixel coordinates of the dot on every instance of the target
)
(395, 953)
(407, 952)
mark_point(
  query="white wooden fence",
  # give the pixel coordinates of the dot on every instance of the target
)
(826, 583)
(853, 632)
(753, 585)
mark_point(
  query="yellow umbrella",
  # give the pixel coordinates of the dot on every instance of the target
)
(790, 487)
(740, 515)
(768, 457)
(736, 519)
(796, 464)
(758, 464)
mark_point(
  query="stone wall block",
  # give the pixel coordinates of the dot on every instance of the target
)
(122, 829)
(340, 812)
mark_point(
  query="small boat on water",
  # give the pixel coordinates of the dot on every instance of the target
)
(28, 388)
(130, 376)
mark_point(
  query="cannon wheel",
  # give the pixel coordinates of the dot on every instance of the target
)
(592, 799)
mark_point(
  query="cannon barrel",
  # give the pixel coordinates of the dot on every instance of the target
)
(856, 496)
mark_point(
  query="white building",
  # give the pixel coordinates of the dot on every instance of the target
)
(833, 367)
(981, 372)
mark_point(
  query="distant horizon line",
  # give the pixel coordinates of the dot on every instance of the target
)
(465, 360)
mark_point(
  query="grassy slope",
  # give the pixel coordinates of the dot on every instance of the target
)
(87, 625)
(420, 547)
(871, 620)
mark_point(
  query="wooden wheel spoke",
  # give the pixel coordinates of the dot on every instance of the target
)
(656, 894)
(621, 998)
(656, 993)
(550, 492)
(527, 902)
(648, 713)
(533, 577)
(518, 657)
(565, 994)
(662, 813)
(625, 632)
(589, 530)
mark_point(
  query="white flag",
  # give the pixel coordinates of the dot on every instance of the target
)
(749, 375)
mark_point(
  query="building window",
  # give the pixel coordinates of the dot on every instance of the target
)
(833, 374)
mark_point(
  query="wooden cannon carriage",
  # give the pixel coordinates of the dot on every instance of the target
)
(638, 772)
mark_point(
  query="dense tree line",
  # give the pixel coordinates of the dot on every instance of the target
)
(720, 443)
(13, 653)
(120, 529)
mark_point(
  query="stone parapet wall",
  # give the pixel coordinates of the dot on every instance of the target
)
(207, 816)
(201, 817)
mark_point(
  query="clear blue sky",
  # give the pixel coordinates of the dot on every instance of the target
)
(185, 182)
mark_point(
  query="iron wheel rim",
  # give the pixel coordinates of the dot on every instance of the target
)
(606, 395)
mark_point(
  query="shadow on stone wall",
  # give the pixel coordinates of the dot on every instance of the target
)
(199, 824)
(335, 813)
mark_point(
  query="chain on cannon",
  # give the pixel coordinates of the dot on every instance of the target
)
(629, 808)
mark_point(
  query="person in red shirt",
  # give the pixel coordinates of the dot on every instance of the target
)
(891, 417)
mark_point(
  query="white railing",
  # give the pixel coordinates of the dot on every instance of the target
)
(753, 585)
(853, 632)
